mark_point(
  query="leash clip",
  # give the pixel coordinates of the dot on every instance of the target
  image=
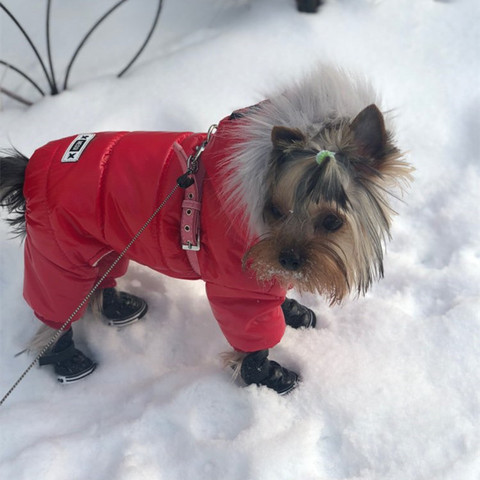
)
(192, 161)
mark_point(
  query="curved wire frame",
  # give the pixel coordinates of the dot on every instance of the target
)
(86, 37)
(24, 75)
(16, 97)
(29, 40)
(149, 36)
(49, 49)
(50, 75)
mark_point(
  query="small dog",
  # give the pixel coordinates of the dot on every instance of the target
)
(292, 192)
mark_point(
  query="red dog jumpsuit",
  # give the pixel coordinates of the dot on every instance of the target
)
(82, 212)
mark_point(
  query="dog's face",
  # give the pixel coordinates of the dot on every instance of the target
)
(326, 208)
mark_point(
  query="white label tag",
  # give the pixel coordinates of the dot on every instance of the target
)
(77, 147)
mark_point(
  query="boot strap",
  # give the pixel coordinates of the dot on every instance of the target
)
(53, 358)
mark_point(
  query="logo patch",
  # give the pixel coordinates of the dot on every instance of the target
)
(77, 147)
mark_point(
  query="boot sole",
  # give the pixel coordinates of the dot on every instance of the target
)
(292, 387)
(124, 322)
(313, 320)
(64, 379)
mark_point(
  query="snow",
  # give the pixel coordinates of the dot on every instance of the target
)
(390, 381)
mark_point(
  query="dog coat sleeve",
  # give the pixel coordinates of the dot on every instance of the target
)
(250, 321)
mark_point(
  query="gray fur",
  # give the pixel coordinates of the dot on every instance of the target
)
(41, 339)
(328, 95)
(233, 361)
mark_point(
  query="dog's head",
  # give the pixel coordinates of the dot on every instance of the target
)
(325, 205)
(311, 175)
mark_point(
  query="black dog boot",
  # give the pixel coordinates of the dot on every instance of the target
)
(308, 6)
(121, 308)
(297, 315)
(256, 368)
(70, 364)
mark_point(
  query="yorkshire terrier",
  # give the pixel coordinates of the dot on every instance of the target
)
(293, 192)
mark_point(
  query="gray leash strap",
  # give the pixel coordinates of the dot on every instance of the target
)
(61, 330)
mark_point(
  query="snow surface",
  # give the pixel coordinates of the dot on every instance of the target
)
(391, 381)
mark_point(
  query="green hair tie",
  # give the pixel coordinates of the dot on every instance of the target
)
(323, 154)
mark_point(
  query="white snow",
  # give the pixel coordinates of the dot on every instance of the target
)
(391, 384)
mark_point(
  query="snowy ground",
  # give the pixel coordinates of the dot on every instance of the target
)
(391, 381)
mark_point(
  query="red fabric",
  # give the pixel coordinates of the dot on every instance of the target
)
(78, 213)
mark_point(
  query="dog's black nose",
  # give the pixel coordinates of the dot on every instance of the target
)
(290, 259)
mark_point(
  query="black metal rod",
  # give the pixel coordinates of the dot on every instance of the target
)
(49, 49)
(16, 97)
(24, 75)
(150, 33)
(5, 9)
(85, 38)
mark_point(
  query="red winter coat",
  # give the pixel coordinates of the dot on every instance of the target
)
(79, 212)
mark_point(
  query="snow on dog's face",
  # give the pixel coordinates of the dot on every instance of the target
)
(325, 212)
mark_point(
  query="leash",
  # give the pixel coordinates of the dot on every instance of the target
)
(184, 181)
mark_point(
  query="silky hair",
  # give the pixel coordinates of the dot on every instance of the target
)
(276, 166)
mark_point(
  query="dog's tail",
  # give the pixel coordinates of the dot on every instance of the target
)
(12, 177)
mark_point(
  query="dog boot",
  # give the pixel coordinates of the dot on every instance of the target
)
(256, 368)
(297, 315)
(70, 364)
(121, 308)
(308, 6)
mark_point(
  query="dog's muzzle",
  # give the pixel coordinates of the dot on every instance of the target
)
(291, 260)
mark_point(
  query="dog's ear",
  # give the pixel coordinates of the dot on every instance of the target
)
(369, 132)
(283, 137)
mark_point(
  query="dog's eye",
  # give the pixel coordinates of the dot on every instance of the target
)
(332, 223)
(276, 212)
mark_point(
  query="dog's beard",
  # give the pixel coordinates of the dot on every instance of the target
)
(323, 271)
